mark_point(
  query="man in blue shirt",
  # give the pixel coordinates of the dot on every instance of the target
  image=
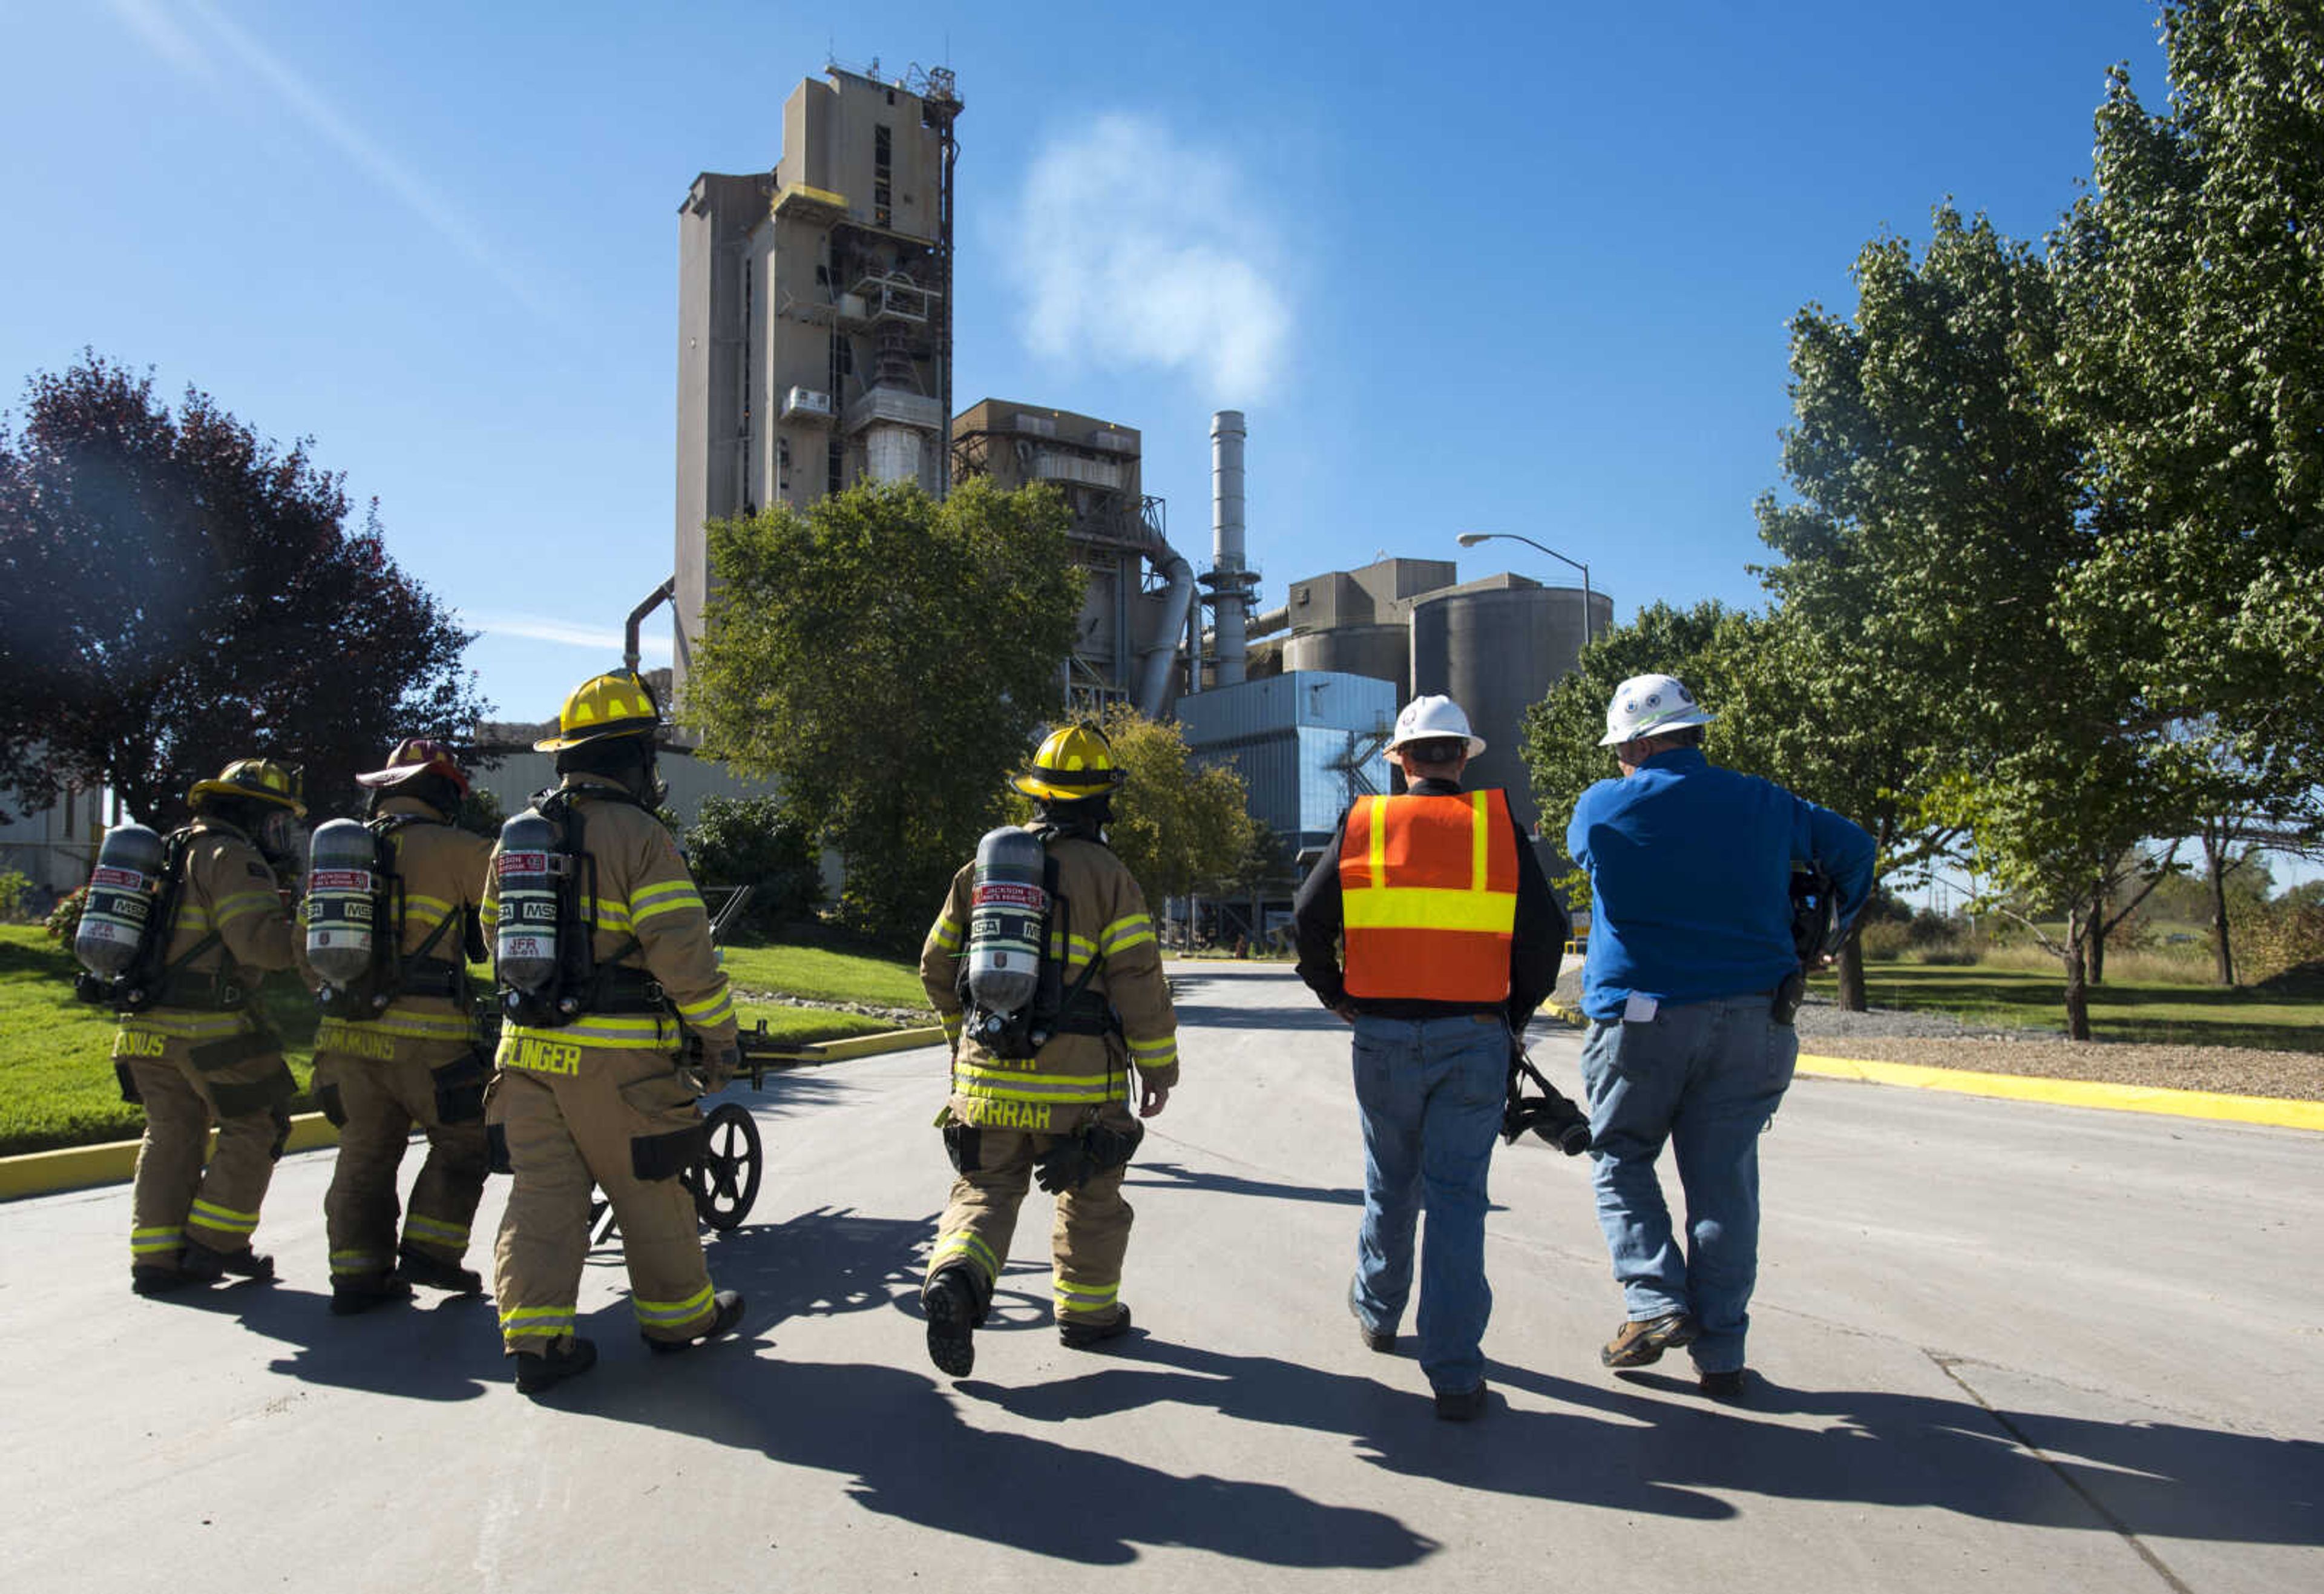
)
(1689, 945)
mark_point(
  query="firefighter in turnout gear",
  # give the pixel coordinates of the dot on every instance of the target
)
(197, 1051)
(602, 981)
(1044, 967)
(397, 1046)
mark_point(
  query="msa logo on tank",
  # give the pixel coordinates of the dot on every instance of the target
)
(1008, 937)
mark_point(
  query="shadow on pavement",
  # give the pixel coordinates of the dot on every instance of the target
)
(1888, 1449)
(1308, 1017)
(901, 1442)
(436, 1348)
(820, 1264)
(1176, 1176)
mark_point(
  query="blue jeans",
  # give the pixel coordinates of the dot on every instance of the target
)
(1432, 1093)
(1707, 1077)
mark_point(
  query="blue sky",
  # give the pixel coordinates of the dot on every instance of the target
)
(1508, 268)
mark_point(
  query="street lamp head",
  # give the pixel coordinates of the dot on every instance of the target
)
(1470, 539)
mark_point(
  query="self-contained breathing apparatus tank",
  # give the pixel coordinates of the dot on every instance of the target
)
(342, 925)
(1007, 932)
(526, 945)
(117, 918)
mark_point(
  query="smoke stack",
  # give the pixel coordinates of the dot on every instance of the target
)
(1230, 581)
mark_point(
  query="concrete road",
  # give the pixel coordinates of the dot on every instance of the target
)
(2005, 1347)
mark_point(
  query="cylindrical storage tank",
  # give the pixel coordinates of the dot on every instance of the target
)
(1381, 652)
(1495, 652)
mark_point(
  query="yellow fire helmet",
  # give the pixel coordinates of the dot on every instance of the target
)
(261, 778)
(1074, 763)
(618, 704)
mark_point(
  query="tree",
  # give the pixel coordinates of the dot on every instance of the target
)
(1179, 826)
(2193, 360)
(756, 841)
(887, 657)
(176, 593)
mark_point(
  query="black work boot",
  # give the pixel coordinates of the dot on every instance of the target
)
(154, 1278)
(950, 1302)
(569, 1357)
(729, 1313)
(354, 1293)
(206, 1267)
(422, 1267)
(1081, 1336)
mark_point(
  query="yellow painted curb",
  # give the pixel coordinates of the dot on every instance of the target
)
(77, 1167)
(2126, 1098)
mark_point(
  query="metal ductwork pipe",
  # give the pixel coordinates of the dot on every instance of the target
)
(654, 600)
(1157, 657)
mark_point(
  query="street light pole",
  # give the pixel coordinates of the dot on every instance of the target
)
(1470, 539)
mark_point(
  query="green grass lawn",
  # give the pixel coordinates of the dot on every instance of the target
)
(2164, 1012)
(827, 975)
(56, 1077)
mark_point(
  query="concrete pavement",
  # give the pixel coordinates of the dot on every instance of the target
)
(2034, 1347)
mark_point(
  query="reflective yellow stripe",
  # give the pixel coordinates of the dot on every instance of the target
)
(1126, 932)
(1086, 1297)
(1154, 1054)
(703, 1012)
(489, 912)
(1430, 907)
(625, 1033)
(1376, 821)
(964, 1243)
(152, 1242)
(435, 905)
(361, 1262)
(537, 1323)
(946, 933)
(606, 915)
(430, 1229)
(1081, 949)
(167, 1022)
(994, 1086)
(224, 1219)
(670, 1314)
(1478, 844)
(242, 904)
(676, 896)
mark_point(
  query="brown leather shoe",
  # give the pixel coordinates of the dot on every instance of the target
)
(1641, 1342)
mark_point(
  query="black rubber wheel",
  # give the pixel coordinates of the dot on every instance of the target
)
(725, 1181)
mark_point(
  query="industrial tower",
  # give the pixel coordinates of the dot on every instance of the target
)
(814, 312)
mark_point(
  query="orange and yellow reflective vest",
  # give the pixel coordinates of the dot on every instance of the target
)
(1428, 890)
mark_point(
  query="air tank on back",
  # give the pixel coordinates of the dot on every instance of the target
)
(524, 935)
(339, 929)
(120, 901)
(1007, 910)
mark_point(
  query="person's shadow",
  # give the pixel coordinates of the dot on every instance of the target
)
(435, 1347)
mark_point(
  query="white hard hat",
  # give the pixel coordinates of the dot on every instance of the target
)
(1430, 718)
(1650, 705)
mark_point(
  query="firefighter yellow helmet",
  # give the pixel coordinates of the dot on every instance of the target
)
(602, 706)
(261, 778)
(1074, 763)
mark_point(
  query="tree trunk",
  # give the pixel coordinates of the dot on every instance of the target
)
(2222, 953)
(2078, 995)
(2097, 950)
(1850, 995)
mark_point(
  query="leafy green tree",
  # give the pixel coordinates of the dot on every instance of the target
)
(1180, 826)
(2193, 360)
(756, 841)
(176, 592)
(887, 657)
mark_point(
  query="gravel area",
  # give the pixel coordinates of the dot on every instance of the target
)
(1934, 1040)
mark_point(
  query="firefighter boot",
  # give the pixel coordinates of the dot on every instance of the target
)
(729, 1304)
(354, 1293)
(1080, 1336)
(567, 1357)
(203, 1266)
(950, 1302)
(421, 1268)
(151, 1278)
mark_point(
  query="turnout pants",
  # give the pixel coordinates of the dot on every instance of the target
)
(623, 1121)
(377, 1100)
(1087, 1239)
(175, 1198)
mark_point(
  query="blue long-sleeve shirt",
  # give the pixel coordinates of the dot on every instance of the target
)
(1689, 880)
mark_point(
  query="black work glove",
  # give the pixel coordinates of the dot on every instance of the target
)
(1065, 1166)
